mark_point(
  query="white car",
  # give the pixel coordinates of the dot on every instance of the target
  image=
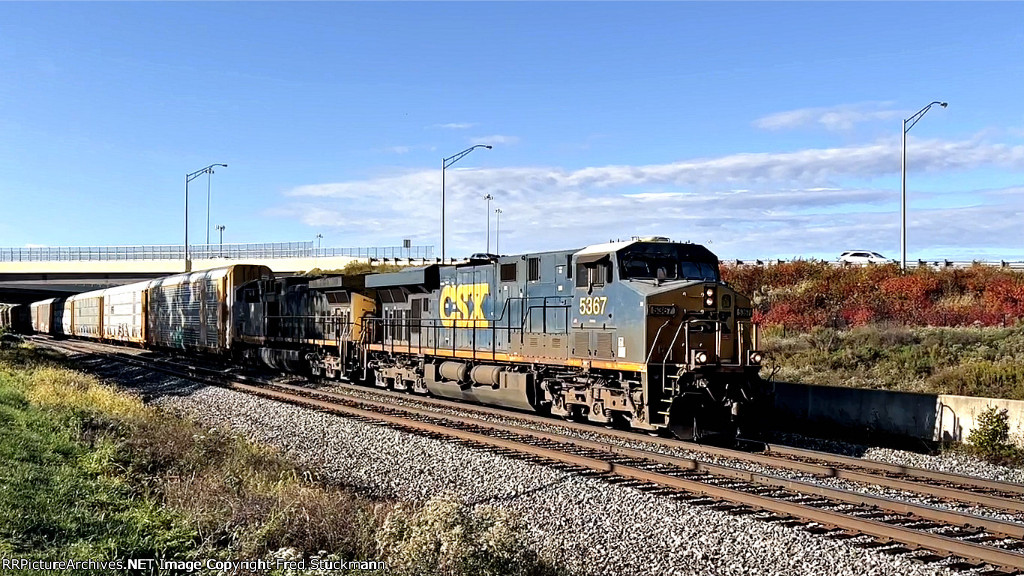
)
(862, 257)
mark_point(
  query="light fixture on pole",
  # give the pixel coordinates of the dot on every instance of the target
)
(497, 231)
(445, 163)
(907, 125)
(220, 228)
(189, 178)
(488, 198)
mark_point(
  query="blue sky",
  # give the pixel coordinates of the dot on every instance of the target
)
(760, 129)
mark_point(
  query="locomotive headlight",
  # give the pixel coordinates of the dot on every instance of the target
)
(700, 357)
(709, 297)
(755, 357)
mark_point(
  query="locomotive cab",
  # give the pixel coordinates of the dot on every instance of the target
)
(662, 307)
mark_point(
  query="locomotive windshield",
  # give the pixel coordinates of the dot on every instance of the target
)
(664, 261)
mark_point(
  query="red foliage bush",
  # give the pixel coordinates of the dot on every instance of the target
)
(807, 293)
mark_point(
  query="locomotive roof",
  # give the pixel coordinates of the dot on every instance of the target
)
(610, 247)
(605, 248)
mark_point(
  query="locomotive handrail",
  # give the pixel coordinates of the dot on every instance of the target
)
(655, 342)
(435, 325)
(544, 317)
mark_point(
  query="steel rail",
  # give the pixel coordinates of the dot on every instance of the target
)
(790, 451)
(827, 465)
(1008, 560)
(826, 470)
(1002, 527)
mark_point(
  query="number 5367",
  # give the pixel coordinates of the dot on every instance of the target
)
(592, 306)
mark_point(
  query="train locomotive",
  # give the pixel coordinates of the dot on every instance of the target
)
(641, 333)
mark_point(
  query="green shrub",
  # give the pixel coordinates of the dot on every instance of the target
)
(990, 439)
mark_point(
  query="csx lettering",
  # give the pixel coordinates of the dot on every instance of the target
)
(593, 306)
(463, 306)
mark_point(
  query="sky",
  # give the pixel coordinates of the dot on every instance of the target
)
(761, 130)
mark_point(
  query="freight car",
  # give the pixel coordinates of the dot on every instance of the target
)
(642, 333)
(48, 316)
(192, 311)
(15, 317)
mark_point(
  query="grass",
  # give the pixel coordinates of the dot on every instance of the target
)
(968, 361)
(89, 473)
(57, 498)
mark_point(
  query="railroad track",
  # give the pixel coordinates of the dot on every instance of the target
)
(896, 526)
(939, 486)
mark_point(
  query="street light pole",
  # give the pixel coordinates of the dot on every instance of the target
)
(209, 178)
(220, 228)
(903, 175)
(189, 178)
(317, 255)
(445, 163)
(497, 231)
(488, 198)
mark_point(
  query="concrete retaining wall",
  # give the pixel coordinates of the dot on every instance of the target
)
(957, 416)
(931, 417)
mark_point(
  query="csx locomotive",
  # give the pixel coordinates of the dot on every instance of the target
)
(642, 333)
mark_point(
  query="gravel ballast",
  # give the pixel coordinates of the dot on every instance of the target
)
(966, 465)
(589, 525)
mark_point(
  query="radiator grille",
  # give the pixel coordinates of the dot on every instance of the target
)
(603, 347)
(581, 343)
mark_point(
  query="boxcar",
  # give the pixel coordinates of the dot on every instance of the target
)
(193, 311)
(48, 316)
(124, 312)
(66, 313)
(15, 317)
(87, 314)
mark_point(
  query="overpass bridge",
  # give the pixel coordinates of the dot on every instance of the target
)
(35, 273)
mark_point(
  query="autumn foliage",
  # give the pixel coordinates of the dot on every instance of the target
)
(804, 294)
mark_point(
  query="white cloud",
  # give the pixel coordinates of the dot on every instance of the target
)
(835, 118)
(747, 205)
(399, 149)
(495, 139)
(455, 125)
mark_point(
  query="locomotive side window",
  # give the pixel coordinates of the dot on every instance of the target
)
(568, 266)
(593, 275)
(533, 272)
(508, 272)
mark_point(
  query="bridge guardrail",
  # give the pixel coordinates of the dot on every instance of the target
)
(205, 251)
